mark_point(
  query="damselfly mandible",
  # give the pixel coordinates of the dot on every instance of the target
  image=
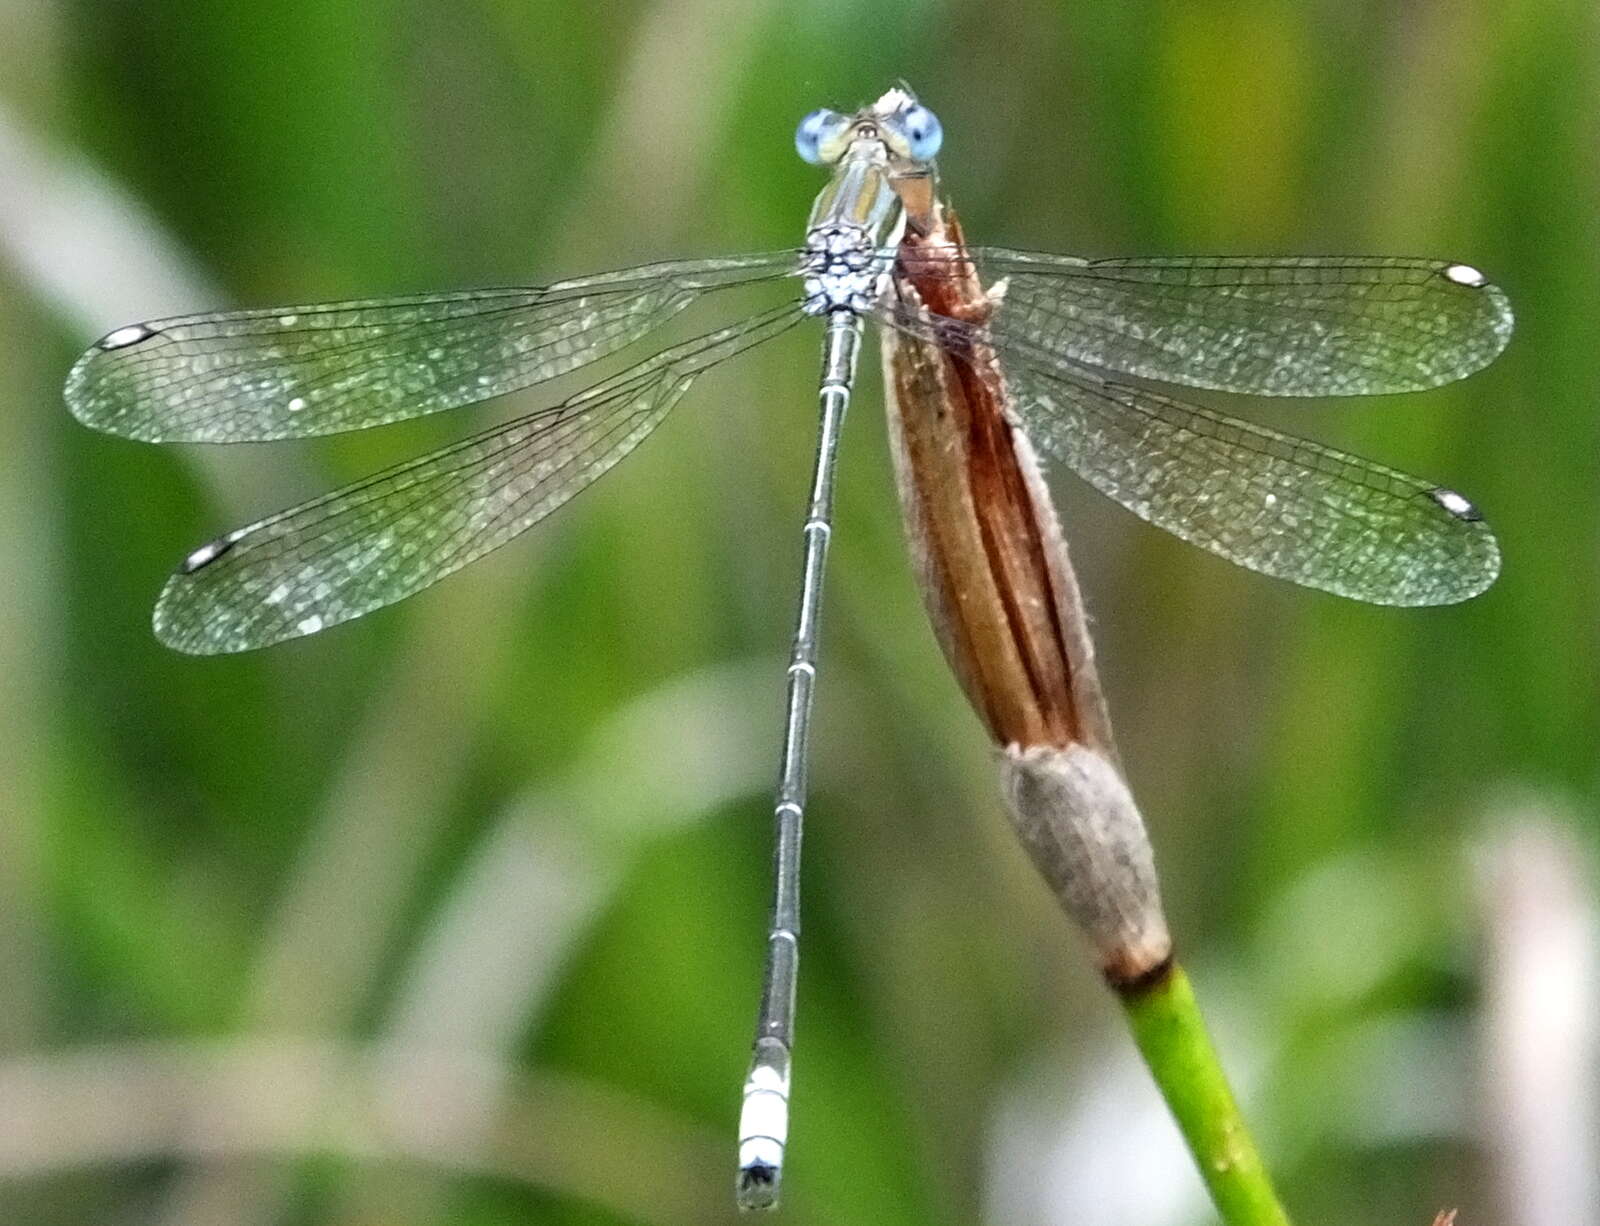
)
(1062, 328)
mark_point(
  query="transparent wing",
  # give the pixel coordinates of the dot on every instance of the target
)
(381, 539)
(1310, 326)
(1279, 505)
(292, 372)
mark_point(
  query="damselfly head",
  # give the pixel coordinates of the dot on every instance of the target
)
(908, 132)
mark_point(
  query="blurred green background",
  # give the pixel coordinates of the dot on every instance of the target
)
(454, 914)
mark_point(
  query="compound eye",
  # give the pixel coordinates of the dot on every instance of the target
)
(924, 132)
(813, 134)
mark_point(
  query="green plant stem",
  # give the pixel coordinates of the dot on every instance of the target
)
(1171, 1035)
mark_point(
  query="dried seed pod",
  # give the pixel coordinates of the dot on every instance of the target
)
(999, 588)
(1075, 815)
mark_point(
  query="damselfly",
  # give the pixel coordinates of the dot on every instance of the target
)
(1061, 328)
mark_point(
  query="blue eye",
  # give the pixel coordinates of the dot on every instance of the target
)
(924, 132)
(808, 137)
